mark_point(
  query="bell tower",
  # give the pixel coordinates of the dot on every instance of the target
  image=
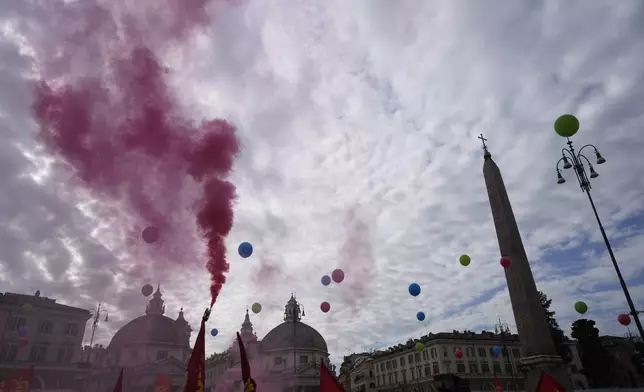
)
(155, 306)
(292, 311)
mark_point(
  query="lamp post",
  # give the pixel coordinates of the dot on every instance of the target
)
(566, 126)
(94, 326)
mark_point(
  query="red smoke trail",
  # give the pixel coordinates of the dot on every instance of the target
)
(104, 107)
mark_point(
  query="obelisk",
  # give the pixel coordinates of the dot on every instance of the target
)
(539, 349)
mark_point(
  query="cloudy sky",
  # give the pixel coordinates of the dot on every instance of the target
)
(359, 123)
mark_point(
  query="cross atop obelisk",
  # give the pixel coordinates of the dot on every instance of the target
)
(534, 333)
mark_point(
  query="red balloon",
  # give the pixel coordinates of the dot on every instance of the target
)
(505, 261)
(150, 234)
(459, 354)
(337, 275)
(325, 306)
(624, 319)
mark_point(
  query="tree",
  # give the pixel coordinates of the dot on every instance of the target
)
(596, 360)
(558, 336)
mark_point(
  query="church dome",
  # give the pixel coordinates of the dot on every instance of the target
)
(153, 327)
(293, 334)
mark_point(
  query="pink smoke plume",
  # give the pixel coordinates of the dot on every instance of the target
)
(356, 258)
(105, 109)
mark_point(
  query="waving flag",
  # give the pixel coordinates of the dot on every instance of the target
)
(328, 382)
(249, 383)
(20, 382)
(547, 383)
(163, 383)
(119, 383)
(195, 378)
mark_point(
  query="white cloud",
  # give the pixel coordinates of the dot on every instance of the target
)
(371, 106)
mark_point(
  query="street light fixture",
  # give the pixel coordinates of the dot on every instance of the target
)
(566, 126)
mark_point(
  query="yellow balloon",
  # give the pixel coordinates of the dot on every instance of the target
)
(464, 260)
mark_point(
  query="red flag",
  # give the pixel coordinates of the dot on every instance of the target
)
(328, 382)
(195, 378)
(497, 384)
(20, 382)
(249, 383)
(163, 383)
(119, 383)
(547, 383)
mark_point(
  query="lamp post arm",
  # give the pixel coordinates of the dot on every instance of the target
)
(586, 145)
(580, 155)
(570, 154)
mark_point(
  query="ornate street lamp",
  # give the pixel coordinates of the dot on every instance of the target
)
(97, 315)
(567, 126)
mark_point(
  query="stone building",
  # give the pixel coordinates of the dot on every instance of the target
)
(403, 369)
(146, 346)
(287, 358)
(53, 335)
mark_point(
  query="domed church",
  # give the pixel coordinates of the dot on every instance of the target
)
(146, 346)
(286, 359)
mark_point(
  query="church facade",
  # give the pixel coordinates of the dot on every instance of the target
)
(148, 345)
(286, 359)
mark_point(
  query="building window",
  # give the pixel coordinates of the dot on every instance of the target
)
(473, 367)
(8, 353)
(516, 353)
(447, 368)
(433, 352)
(37, 354)
(425, 355)
(161, 355)
(508, 368)
(435, 369)
(391, 380)
(428, 371)
(497, 367)
(460, 368)
(277, 361)
(71, 329)
(444, 351)
(15, 323)
(485, 368)
(382, 367)
(417, 357)
(65, 354)
(468, 352)
(411, 371)
(402, 361)
(396, 377)
(482, 352)
(303, 358)
(394, 364)
(410, 359)
(45, 327)
(388, 364)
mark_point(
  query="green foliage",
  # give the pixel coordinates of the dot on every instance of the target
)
(596, 360)
(558, 336)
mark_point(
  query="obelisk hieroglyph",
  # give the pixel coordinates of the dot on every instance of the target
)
(539, 349)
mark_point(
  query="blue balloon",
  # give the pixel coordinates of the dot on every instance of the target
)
(214, 332)
(326, 280)
(245, 249)
(420, 316)
(414, 289)
(22, 332)
(496, 350)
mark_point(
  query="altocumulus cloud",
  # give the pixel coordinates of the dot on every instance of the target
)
(358, 123)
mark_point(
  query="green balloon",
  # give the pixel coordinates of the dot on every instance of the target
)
(464, 260)
(256, 308)
(566, 125)
(420, 347)
(581, 307)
